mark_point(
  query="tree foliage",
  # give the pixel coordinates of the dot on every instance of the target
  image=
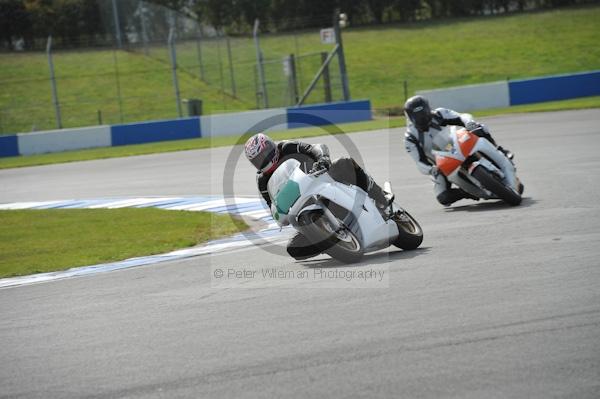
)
(238, 15)
(73, 22)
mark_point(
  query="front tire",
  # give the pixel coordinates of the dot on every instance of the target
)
(496, 186)
(410, 233)
(300, 248)
(341, 245)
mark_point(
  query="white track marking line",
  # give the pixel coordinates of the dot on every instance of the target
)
(268, 235)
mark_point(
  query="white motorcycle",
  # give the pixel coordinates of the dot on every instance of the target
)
(476, 166)
(340, 219)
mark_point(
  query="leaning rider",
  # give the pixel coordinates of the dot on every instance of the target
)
(266, 156)
(427, 130)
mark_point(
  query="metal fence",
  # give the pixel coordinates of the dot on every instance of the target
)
(159, 60)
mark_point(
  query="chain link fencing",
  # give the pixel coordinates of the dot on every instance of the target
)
(135, 72)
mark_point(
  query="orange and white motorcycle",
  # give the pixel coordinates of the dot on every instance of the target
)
(476, 166)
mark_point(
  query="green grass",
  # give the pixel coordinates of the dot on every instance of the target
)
(381, 122)
(427, 55)
(436, 55)
(87, 83)
(35, 241)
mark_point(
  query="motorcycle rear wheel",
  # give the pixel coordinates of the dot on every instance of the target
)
(496, 186)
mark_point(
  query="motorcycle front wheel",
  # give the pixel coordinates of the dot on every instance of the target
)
(342, 245)
(496, 186)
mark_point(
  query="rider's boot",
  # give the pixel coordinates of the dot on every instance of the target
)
(382, 199)
(452, 195)
(506, 152)
(467, 195)
(520, 186)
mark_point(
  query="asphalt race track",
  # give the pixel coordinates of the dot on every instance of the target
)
(499, 302)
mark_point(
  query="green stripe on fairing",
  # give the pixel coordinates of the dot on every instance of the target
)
(287, 196)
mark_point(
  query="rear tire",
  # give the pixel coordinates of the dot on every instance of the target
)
(343, 246)
(410, 233)
(496, 186)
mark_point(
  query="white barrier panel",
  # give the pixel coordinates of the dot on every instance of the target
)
(64, 140)
(238, 123)
(469, 98)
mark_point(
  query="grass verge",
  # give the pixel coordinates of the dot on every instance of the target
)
(381, 122)
(36, 241)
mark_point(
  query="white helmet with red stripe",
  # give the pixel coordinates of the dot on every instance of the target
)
(262, 152)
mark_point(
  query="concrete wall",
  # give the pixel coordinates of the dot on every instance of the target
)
(9, 146)
(516, 92)
(148, 132)
(64, 140)
(553, 88)
(485, 96)
(241, 122)
(329, 114)
(184, 128)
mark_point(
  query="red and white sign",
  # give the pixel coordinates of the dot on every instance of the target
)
(327, 36)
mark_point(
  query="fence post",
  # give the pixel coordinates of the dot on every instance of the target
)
(144, 29)
(326, 79)
(292, 82)
(199, 52)
(231, 72)
(117, 24)
(221, 79)
(320, 72)
(341, 57)
(118, 81)
(174, 68)
(256, 90)
(53, 83)
(259, 63)
(298, 64)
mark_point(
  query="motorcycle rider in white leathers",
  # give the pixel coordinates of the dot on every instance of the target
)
(428, 130)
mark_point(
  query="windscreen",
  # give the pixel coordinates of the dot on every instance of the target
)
(280, 177)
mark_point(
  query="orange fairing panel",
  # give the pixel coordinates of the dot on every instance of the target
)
(447, 165)
(466, 141)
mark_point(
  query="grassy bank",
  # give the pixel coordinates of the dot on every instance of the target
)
(436, 55)
(426, 55)
(35, 241)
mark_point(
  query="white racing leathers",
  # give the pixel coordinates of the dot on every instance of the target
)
(420, 146)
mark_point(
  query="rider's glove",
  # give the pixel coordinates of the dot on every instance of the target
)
(434, 171)
(323, 163)
(472, 126)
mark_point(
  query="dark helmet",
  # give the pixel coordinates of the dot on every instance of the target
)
(262, 152)
(418, 111)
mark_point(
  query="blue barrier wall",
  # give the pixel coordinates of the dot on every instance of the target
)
(329, 113)
(185, 128)
(147, 132)
(9, 146)
(552, 88)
